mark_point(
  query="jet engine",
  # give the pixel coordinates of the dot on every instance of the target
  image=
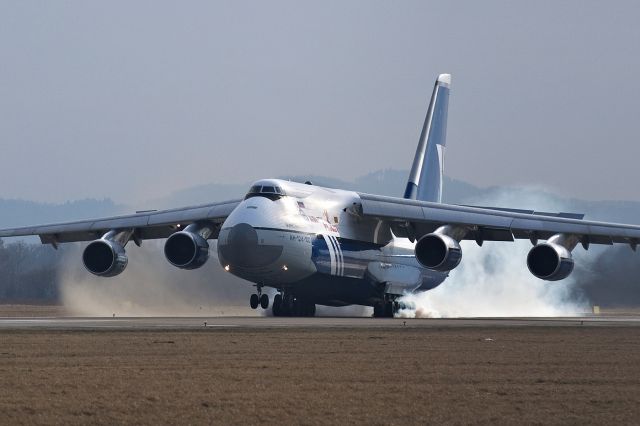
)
(105, 257)
(438, 251)
(188, 249)
(550, 261)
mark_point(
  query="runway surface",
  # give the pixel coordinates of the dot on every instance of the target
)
(191, 323)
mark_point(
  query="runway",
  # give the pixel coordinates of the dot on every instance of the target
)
(193, 323)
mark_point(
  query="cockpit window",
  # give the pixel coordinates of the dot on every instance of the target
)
(271, 192)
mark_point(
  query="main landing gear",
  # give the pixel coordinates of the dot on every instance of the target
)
(287, 305)
(389, 307)
(386, 308)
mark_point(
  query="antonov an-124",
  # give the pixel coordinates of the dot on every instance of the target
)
(326, 246)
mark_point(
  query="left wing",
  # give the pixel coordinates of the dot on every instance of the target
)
(144, 225)
(414, 219)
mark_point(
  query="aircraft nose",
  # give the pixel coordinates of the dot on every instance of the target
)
(240, 248)
(244, 236)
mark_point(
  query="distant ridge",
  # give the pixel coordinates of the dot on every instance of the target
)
(384, 182)
(15, 213)
(391, 182)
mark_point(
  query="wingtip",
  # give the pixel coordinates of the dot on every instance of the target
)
(444, 79)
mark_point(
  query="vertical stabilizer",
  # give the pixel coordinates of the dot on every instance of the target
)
(425, 180)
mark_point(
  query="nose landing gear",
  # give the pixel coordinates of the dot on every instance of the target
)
(259, 299)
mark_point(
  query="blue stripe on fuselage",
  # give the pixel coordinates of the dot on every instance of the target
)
(347, 255)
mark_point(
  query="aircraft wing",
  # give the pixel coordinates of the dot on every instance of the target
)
(413, 219)
(147, 224)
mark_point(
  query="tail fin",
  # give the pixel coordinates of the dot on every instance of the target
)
(425, 180)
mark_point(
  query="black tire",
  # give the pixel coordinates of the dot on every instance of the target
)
(264, 301)
(277, 305)
(254, 301)
(296, 309)
(288, 305)
(388, 309)
(378, 310)
(303, 308)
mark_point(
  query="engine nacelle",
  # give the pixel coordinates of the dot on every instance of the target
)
(438, 252)
(186, 250)
(550, 262)
(105, 258)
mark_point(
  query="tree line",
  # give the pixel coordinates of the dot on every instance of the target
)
(29, 273)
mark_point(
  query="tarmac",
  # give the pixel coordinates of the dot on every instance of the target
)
(191, 323)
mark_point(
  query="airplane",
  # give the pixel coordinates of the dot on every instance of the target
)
(326, 246)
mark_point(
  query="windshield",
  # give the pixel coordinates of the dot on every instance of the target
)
(269, 191)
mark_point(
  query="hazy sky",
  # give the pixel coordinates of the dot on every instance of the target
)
(134, 99)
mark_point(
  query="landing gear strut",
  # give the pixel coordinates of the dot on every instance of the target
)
(287, 305)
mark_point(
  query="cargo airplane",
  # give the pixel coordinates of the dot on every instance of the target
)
(325, 246)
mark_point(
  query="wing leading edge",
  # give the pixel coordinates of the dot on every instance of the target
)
(146, 225)
(413, 219)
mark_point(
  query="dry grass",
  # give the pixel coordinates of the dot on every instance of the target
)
(27, 311)
(315, 376)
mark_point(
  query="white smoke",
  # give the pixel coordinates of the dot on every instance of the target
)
(494, 281)
(150, 286)
(344, 311)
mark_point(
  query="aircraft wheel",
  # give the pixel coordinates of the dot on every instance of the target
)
(264, 301)
(406, 305)
(289, 305)
(378, 310)
(312, 310)
(253, 301)
(298, 308)
(277, 305)
(388, 309)
(303, 308)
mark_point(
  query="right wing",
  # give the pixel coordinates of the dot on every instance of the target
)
(146, 225)
(413, 219)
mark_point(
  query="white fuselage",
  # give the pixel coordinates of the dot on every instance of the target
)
(309, 238)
